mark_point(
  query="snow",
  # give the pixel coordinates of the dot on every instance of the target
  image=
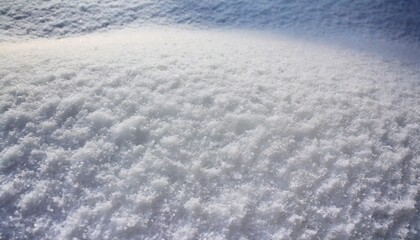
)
(209, 130)
(378, 18)
(171, 133)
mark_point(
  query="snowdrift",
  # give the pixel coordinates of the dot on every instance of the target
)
(163, 133)
(379, 19)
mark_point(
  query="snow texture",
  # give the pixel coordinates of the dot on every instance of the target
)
(209, 119)
(375, 18)
(179, 134)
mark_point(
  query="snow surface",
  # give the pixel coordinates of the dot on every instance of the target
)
(209, 119)
(389, 19)
(159, 133)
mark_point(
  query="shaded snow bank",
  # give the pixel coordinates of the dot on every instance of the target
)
(379, 19)
(163, 133)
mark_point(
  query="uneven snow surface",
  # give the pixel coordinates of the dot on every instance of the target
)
(381, 18)
(179, 119)
(162, 133)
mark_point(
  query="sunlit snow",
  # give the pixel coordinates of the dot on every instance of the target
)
(198, 131)
(165, 133)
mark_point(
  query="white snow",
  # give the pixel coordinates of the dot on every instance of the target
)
(169, 133)
(271, 119)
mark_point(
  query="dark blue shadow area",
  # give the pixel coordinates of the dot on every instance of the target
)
(389, 19)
